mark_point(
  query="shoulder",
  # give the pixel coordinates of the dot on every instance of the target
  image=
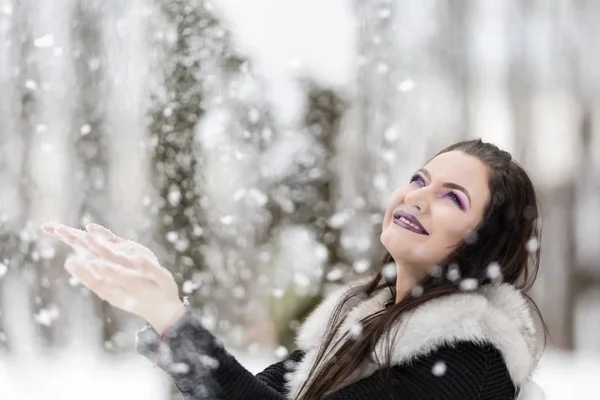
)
(496, 319)
(498, 315)
(456, 371)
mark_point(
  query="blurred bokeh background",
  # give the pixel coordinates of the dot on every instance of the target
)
(252, 144)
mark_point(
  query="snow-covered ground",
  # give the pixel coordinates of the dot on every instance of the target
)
(82, 376)
(76, 376)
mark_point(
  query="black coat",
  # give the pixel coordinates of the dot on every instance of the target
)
(479, 345)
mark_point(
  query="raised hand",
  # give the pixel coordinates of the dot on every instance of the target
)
(122, 272)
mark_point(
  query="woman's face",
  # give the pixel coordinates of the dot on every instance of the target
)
(435, 212)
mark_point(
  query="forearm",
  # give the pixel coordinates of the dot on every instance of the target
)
(198, 365)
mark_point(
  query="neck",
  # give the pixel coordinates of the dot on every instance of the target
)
(406, 279)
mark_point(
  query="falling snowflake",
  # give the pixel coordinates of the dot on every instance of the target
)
(209, 361)
(439, 369)
(301, 280)
(340, 219)
(356, 330)
(494, 272)
(417, 291)
(391, 134)
(281, 352)
(361, 266)
(468, 285)
(47, 316)
(179, 368)
(227, 219)
(389, 271)
(532, 245)
(384, 12)
(321, 252)
(383, 68)
(73, 281)
(172, 236)
(436, 271)
(406, 85)
(453, 273)
(3, 269)
(44, 41)
(31, 84)
(181, 245)
(174, 196)
(254, 116)
(189, 286)
(85, 129)
(335, 274)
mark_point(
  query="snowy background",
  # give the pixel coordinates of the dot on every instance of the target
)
(238, 139)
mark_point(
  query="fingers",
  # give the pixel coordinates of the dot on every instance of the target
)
(104, 244)
(138, 261)
(101, 231)
(107, 251)
(73, 237)
(50, 227)
(111, 282)
(78, 238)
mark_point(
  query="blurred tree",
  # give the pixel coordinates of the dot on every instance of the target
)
(13, 141)
(311, 191)
(90, 135)
(202, 74)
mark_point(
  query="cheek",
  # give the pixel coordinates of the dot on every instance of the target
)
(455, 230)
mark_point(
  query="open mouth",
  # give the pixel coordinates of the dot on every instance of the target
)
(409, 222)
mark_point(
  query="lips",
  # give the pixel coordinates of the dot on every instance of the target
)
(409, 222)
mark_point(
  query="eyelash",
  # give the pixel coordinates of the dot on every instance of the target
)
(454, 196)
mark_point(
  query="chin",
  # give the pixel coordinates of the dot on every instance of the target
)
(400, 239)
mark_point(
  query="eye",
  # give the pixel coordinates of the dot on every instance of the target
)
(452, 196)
(418, 179)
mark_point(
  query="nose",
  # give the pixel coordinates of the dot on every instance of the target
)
(418, 199)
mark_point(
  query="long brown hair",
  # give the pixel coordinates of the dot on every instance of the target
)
(508, 236)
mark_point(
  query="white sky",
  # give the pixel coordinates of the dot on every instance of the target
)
(286, 39)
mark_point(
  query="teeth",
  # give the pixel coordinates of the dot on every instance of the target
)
(407, 222)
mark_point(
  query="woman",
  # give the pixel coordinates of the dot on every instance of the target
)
(446, 317)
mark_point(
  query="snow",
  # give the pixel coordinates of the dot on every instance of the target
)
(44, 41)
(75, 375)
(314, 39)
(439, 368)
(71, 375)
(568, 375)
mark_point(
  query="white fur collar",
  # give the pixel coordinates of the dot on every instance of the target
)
(496, 314)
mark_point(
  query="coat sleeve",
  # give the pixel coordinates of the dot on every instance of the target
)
(201, 369)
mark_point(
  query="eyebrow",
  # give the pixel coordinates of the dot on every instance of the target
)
(448, 185)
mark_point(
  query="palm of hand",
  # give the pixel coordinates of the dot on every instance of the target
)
(122, 272)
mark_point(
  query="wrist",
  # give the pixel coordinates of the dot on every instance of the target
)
(166, 317)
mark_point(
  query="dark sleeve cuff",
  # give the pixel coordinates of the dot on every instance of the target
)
(198, 364)
(188, 353)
